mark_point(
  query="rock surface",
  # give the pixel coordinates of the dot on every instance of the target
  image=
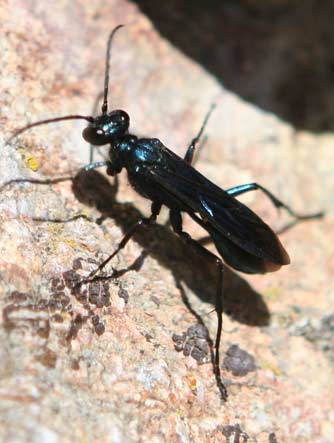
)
(99, 364)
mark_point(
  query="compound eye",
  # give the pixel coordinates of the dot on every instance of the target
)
(124, 118)
(94, 136)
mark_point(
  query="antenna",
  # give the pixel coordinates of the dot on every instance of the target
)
(104, 108)
(77, 117)
(49, 120)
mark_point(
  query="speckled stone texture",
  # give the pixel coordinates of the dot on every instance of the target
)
(99, 364)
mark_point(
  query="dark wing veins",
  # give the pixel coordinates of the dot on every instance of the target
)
(216, 207)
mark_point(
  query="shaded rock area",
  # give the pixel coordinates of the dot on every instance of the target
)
(97, 361)
(277, 55)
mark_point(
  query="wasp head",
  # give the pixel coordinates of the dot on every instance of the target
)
(107, 128)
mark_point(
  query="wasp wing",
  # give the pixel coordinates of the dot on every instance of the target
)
(234, 227)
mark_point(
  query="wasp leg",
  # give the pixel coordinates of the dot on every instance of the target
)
(241, 189)
(176, 222)
(147, 222)
(191, 148)
(96, 165)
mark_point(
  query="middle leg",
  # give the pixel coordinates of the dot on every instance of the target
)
(147, 222)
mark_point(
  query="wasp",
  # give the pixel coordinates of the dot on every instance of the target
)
(242, 239)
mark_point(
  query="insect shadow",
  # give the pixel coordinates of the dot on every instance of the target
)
(241, 238)
(241, 301)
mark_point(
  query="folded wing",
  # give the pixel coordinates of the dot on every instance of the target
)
(239, 234)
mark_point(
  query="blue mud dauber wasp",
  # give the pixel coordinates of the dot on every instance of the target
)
(241, 238)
